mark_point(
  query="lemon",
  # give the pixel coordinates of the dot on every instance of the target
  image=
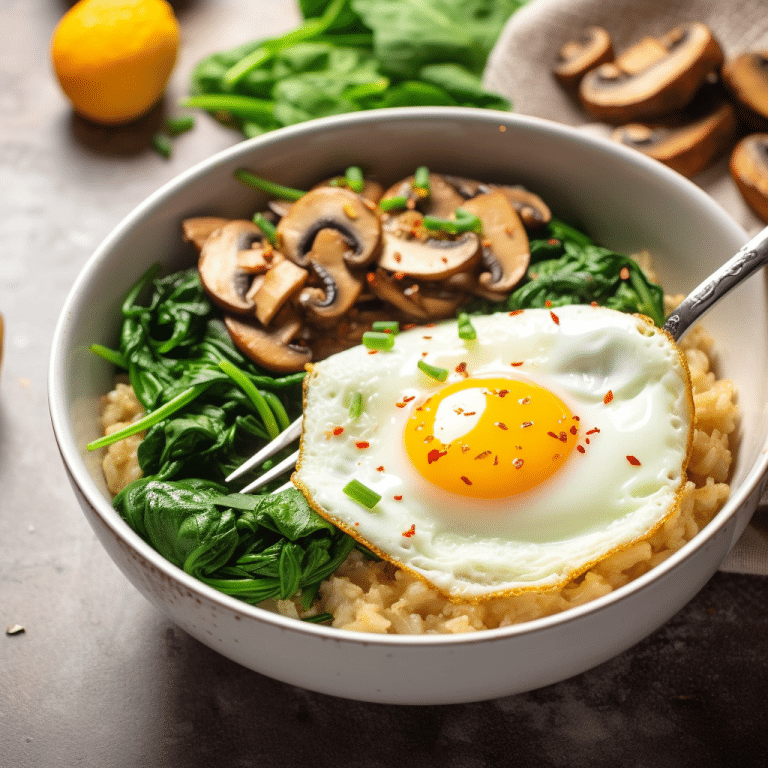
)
(113, 58)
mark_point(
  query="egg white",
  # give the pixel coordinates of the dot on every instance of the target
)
(470, 549)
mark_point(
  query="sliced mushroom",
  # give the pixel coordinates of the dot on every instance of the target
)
(652, 77)
(279, 208)
(222, 279)
(271, 348)
(428, 259)
(415, 301)
(689, 148)
(340, 288)
(330, 208)
(441, 201)
(746, 76)
(749, 168)
(283, 280)
(200, 228)
(371, 190)
(506, 251)
(577, 57)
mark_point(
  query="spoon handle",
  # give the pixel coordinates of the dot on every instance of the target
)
(738, 268)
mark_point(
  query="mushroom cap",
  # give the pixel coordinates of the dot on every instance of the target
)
(220, 274)
(281, 281)
(652, 77)
(198, 229)
(341, 289)
(505, 243)
(689, 148)
(749, 169)
(330, 208)
(270, 348)
(577, 57)
(746, 77)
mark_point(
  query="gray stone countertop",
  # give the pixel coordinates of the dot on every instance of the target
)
(99, 678)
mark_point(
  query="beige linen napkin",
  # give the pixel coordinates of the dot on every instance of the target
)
(519, 68)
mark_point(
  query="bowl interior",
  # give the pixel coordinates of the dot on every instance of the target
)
(622, 199)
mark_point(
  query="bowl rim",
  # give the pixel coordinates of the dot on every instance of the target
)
(80, 476)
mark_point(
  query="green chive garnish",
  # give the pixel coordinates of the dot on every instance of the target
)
(318, 618)
(362, 494)
(392, 203)
(275, 190)
(266, 226)
(356, 406)
(466, 329)
(421, 178)
(110, 355)
(161, 144)
(177, 125)
(354, 178)
(378, 340)
(439, 374)
(464, 221)
(386, 326)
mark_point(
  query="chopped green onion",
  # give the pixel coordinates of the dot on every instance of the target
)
(110, 355)
(177, 125)
(391, 203)
(386, 326)
(276, 404)
(266, 226)
(362, 494)
(466, 329)
(161, 144)
(318, 618)
(463, 222)
(378, 340)
(354, 178)
(421, 179)
(243, 107)
(440, 374)
(356, 406)
(275, 190)
(254, 396)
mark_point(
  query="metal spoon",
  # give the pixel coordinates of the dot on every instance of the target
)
(738, 268)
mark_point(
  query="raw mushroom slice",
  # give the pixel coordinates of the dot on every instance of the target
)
(441, 201)
(506, 250)
(271, 348)
(577, 57)
(416, 302)
(746, 76)
(653, 77)
(200, 228)
(220, 275)
(689, 148)
(749, 168)
(330, 208)
(283, 280)
(340, 289)
(429, 259)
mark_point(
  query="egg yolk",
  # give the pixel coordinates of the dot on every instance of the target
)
(490, 438)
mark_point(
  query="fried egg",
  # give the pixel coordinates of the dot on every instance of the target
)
(555, 438)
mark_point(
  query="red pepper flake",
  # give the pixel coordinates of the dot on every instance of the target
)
(593, 304)
(593, 431)
(429, 438)
(429, 325)
(581, 449)
(444, 260)
(357, 523)
(398, 258)
(424, 354)
(362, 445)
(434, 455)
(397, 498)
(624, 273)
(586, 440)
(516, 312)
(574, 430)
(553, 241)
(608, 397)
(338, 430)
(496, 461)
(464, 448)
(516, 364)
(398, 275)
(547, 303)
(470, 413)
(557, 456)
(576, 418)
(509, 231)
(380, 469)
(554, 317)
(526, 424)
(483, 455)
(524, 400)
(635, 462)
(501, 425)
(466, 480)
(503, 392)
(411, 531)
(517, 463)
(371, 278)
(373, 351)
(409, 326)
(408, 399)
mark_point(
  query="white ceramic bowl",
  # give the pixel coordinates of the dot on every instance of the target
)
(624, 200)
